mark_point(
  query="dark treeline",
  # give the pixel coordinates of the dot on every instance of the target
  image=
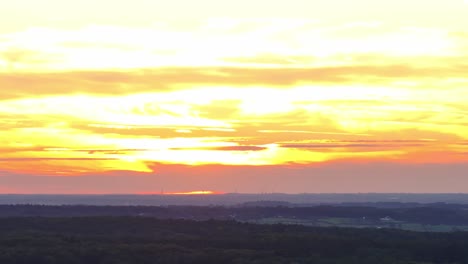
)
(137, 240)
(435, 214)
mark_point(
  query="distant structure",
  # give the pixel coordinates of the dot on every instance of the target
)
(386, 219)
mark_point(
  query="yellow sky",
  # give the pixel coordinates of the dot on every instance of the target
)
(97, 86)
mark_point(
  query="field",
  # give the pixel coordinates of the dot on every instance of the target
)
(361, 223)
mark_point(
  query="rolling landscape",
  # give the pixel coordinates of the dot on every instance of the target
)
(178, 229)
(243, 132)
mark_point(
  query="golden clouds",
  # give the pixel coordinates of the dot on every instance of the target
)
(226, 42)
(231, 91)
(432, 76)
(301, 123)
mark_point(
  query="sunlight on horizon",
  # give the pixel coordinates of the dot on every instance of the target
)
(98, 88)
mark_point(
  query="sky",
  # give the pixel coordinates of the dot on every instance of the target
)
(233, 96)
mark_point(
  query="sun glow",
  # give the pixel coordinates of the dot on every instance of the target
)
(227, 127)
(99, 91)
(194, 193)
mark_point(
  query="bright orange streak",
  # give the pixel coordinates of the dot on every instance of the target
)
(194, 193)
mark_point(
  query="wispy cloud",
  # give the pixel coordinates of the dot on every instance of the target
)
(227, 148)
(272, 42)
(46, 159)
(195, 92)
(170, 79)
(347, 146)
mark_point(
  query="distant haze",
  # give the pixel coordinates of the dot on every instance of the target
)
(233, 199)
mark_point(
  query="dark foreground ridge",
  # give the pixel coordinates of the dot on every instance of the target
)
(148, 240)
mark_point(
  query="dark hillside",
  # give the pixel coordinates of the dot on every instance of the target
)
(148, 240)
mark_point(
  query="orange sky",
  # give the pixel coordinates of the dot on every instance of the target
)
(138, 96)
